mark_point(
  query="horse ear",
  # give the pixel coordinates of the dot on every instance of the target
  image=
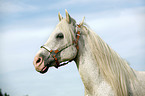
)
(60, 17)
(68, 18)
(82, 22)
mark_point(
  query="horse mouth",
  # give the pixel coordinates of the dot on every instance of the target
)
(44, 70)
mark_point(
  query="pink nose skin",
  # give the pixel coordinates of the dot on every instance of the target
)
(38, 60)
(38, 63)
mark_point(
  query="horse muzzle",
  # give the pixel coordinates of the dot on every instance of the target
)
(42, 63)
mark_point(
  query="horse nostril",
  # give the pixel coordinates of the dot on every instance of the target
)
(39, 60)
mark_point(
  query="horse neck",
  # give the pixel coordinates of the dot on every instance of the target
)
(87, 66)
(90, 68)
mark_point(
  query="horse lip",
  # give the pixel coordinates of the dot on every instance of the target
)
(44, 70)
(46, 67)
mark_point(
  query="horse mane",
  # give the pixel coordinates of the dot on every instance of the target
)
(115, 70)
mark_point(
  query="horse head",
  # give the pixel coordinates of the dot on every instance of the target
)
(60, 47)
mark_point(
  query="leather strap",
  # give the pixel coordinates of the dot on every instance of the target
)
(54, 53)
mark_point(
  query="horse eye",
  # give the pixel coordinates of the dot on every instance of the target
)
(60, 35)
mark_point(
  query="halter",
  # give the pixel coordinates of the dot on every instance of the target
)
(55, 53)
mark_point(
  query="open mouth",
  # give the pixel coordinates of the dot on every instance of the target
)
(44, 70)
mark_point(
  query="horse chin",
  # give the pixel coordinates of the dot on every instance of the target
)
(44, 70)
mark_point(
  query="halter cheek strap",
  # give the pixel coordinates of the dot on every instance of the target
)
(55, 53)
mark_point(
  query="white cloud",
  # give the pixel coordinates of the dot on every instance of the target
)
(122, 30)
(10, 7)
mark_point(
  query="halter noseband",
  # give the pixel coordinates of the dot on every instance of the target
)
(54, 53)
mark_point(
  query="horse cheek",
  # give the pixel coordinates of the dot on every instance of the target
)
(68, 54)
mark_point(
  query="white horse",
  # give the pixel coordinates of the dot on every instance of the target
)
(102, 70)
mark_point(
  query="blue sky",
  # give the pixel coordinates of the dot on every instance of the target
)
(25, 25)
